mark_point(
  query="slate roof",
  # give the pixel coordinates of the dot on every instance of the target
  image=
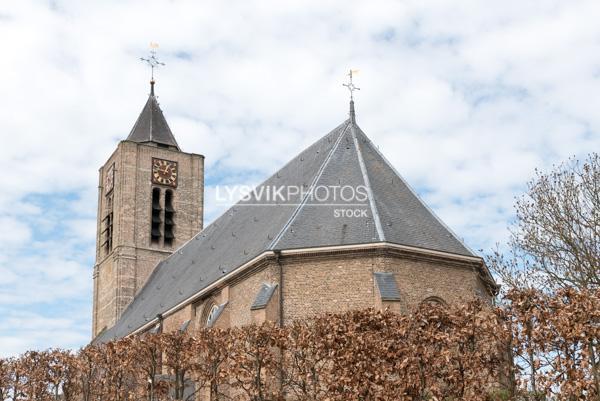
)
(344, 157)
(151, 125)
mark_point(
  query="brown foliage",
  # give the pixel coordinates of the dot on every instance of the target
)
(438, 352)
(253, 362)
(556, 340)
(212, 348)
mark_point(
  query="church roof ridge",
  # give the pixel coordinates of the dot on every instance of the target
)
(367, 181)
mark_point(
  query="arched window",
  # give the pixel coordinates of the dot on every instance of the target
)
(155, 233)
(212, 314)
(169, 218)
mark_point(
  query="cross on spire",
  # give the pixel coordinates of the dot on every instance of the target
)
(153, 62)
(350, 85)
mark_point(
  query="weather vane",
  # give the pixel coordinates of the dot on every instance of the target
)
(350, 85)
(152, 61)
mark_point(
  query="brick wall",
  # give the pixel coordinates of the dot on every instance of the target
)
(243, 293)
(419, 279)
(173, 322)
(335, 283)
(314, 284)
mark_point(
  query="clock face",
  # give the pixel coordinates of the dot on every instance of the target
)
(164, 172)
(109, 179)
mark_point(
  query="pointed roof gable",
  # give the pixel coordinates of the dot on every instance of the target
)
(344, 158)
(151, 125)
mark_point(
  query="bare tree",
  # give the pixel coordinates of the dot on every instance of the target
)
(555, 239)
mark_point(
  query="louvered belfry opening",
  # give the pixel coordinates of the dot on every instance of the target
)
(107, 225)
(169, 218)
(155, 232)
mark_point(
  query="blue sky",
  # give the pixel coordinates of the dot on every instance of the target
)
(465, 99)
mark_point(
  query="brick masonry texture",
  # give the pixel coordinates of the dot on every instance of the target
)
(243, 293)
(120, 273)
(317, 283)
(332, 284)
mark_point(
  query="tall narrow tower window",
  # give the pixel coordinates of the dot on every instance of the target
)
(155, 233)
(107, 225)
(169, 218)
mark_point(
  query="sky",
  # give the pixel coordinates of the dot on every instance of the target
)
(466, 99)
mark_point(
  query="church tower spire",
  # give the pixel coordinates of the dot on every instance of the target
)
(151, 126)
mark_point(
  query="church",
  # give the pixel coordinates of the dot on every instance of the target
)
(335, 229)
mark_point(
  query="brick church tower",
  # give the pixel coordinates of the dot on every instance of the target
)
(150, 202)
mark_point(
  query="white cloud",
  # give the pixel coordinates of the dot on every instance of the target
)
(13, 233)
(29, 330)
(465, 99)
